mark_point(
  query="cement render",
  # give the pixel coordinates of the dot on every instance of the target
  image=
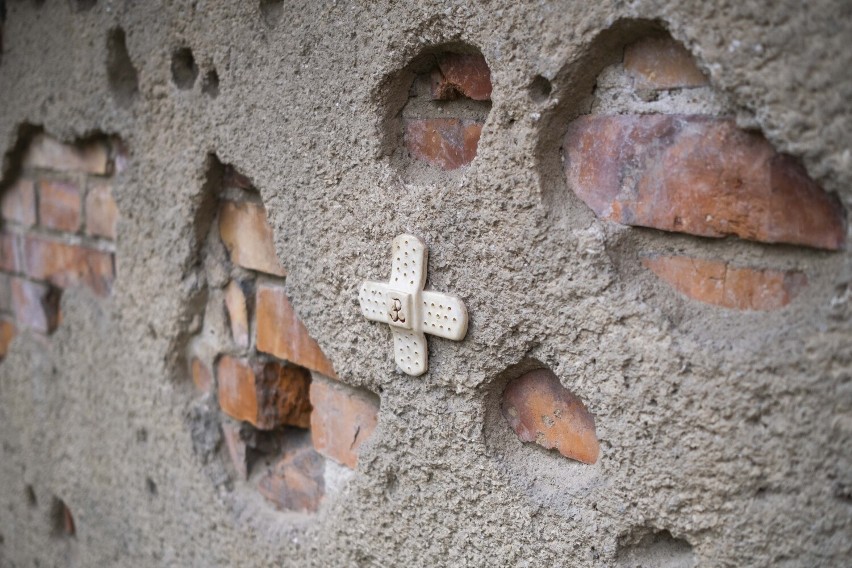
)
(728, 430)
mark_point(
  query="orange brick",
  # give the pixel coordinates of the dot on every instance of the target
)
(235, 306)
(248, 237)
(101, 212)
(67, 265)
(36, 305)
(201, 375)
(7, 332)
(662, 63)
(19, 203)
(10, 256)
(342, 420)
(59, 205)
(265, 395)
(296, 482)
(539, 409)
(237, 449)
(282, 334)
(446, 143)
(461, 74)
(48, 153)
(698, 175)
(716, 282)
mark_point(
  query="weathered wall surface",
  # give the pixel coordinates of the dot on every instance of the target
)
(723, 423)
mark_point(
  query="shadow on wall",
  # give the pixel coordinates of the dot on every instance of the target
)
(59, 225)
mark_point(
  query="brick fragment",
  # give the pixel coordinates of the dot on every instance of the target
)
(201, 375)
(67, 265)
(342, 420)
(266, 395)
(539, 409)
(446, 143)
(48, 153)
(7, 332)
(697, 175)
(59, 205)
(461, 74)
(235, 305)
(10, 256)
(19, 203)
(237, 448)
(248, 237)
(296, 481)
(101, 212)
(718, 283)
(662, 63)
(36, 305)
(282, 334)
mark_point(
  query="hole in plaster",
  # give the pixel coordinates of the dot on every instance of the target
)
(271, 11)
(84, 5)
(210, 84)
(62, 519)
(184, 68)
(435, 109)
(32, 500)
(150, 486)
(540, 89)
(656, 549)
(122, 76)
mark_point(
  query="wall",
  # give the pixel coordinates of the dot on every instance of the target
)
(643, 207)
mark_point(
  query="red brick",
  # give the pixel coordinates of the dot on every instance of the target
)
(59, 205)
(248, 237)
(10, 256)
(101, 212)
(282, 334)
(201, 375)
(446, 143)
(48, 153)
(36, 305)
(235, 306)
(237, 448)
(698, 175)
(716, 282)
(7, 332)
(296, 482)
(662, 63)
(539, 409)
(265, 395)
(342, 420)
(19, 203)
(67, 265)
(461, 74)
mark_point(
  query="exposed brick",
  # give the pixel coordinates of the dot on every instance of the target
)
(10, 256)
(662, 63)
(101, 212)
(36, 305)
(237, 448)
(697, 175)
(201, 375)
(265, 395)
(48, 153)
(716, 282)
(461, 74)
(248, 237)
(282, 334)
(446, 143)
(7, 332)
(19, 203)
(67, 265)
(539, 409)
(235, 305)
(342, 420)
(296, 481)
(59, 205)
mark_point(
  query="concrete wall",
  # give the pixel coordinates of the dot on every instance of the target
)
(722, 422)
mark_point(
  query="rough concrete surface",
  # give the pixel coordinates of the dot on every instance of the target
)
(724, 435)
